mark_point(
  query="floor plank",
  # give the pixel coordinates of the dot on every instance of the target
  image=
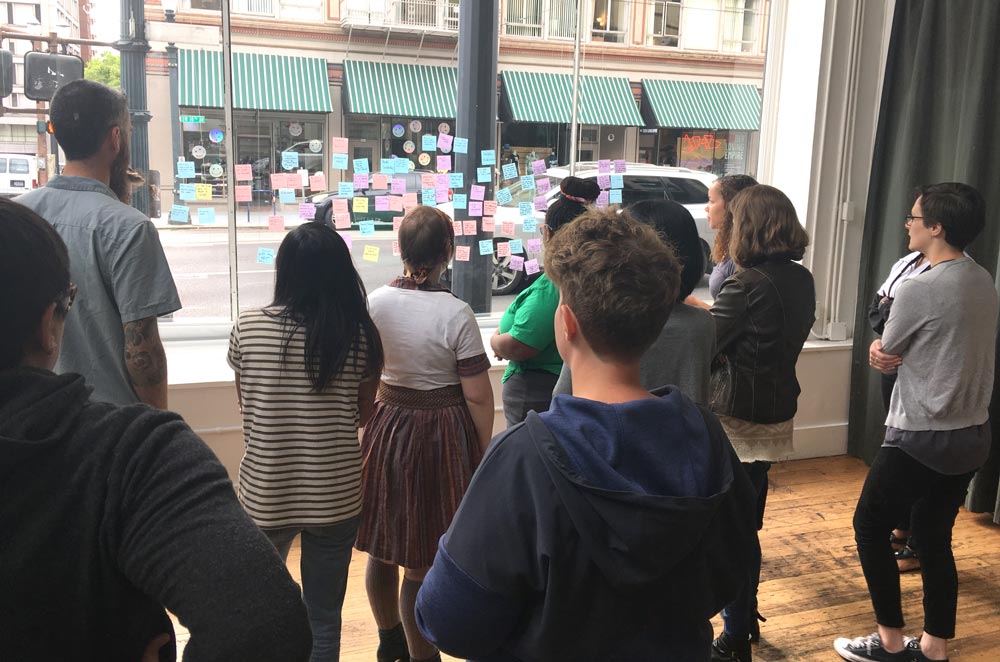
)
(812, 589)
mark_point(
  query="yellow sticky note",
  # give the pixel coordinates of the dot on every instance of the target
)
(371, 252)
(202, 191)
(361, 205)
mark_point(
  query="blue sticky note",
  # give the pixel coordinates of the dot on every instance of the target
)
(187, 191)
(483, 175)
(206, 216)
(617, 181)
(615, 196)
(428, 143)
(456, 180)
(516, 246)
(286, 195)
(530, 224)
(179, 213)
(340, 161)
(460, 146)
(289, 160)
(509, 171)
(489, 157)
(525, 209)
(486, 247)
(367, 228)
(265, 256)
(361, 166)
(185, 169)
(345, 190)
(428, 196)
(387, 166)
(504, 197)
(402, 166)
(460, 200)
(527, 183)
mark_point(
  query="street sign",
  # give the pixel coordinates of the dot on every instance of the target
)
(44, 73)
(6, 73)
(192, 119)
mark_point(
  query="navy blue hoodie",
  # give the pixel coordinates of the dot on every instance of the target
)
(595, 532)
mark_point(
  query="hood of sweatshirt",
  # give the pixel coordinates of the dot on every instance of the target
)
(641, 480)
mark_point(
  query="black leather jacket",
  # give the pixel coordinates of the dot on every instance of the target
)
(762, 318)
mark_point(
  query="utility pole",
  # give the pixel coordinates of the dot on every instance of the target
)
(133, 48)
(478, 44)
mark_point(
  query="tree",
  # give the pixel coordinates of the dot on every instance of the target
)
(104, 68)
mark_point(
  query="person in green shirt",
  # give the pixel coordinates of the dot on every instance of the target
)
(526, 335)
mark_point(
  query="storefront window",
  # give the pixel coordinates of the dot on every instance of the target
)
(609, 21)
(718, 152)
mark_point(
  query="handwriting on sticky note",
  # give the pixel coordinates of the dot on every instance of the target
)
(516, 262)
(397, 221)
(539, 203)
(503, 249)
(461, 145)
(370, 254)
(428, 197)
(504, 196)
(398, 186)
(456, 180)
(339, 205)
(525, 209)
(538, 167)
(469, 228)
(286, 195)
(489, 224)
(361, 166)
(360, 182)
(289, 160)
(617, 181)
(206, 216)
(619, 165)
(460, 201)
(395, 248)
(602, 199)
(507, 227)
(475, 208)
(244, 172)
(604, 181)
(307, 210)
(395, 203)
(477, 192)
(445, 141)
(185, 169)
(534, 245)
(203, 192)
(444, 163)
(509, 171)
(342, 221)
(489, 208)
(409, 200)
(516, 246)
(527, 183)
(381, 203)
(456, 227)
(187, 191)
(265, 256)
(345, 189)
(380, 182)
(360, 205)
(367, 228)
(428, 143)
(340, 161)
(615, 196)
(531, 267)
(543, 184)
(275, 223)
(483, 175)
(489, 157)
(462, 253)
(338, 145)
(317, 182)
(486, 247)
(530, 224)
(604, 165)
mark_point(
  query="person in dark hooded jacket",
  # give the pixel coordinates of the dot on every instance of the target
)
(108, 514)
(615, 525)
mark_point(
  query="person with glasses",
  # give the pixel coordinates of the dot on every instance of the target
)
(940, 339)
(109, 514)
(525, 336)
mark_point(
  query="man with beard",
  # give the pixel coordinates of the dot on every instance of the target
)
(118, 264)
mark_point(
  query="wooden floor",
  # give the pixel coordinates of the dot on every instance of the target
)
(812, 590)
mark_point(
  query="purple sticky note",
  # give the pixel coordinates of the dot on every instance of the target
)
(619, 165)
(307, 210)
(444, 163)
(475, 208)
(540, 203)
(444, 142)
(360, 182)
(604, 181)
(543, 184)
(604, 165)
(517, 263)
(534, 245)
(538, 167)
(347, 239)
(381, 203)
(602, 199)
(531, 267)
(441, 181)
(441, 194)
(477, 192)
(398, 186)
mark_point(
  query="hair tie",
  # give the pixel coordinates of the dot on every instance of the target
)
(574, 198)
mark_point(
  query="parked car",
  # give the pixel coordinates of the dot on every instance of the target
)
(640, 182)
(18, 174)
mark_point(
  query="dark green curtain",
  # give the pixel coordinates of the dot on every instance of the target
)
(939, 120)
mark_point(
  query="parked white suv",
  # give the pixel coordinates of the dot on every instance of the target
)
(18, 174)
(640, 182)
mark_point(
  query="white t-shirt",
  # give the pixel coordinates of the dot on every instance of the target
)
(903, 269)
(424, 334)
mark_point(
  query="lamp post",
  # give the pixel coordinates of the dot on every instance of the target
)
(169, 12)
(133, 48)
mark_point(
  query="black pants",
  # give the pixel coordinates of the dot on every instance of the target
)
(888, 382)
(898, 484)
(530, 390)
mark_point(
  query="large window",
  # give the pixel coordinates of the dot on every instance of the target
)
(609, 21)
(666, 28)
(547, 19)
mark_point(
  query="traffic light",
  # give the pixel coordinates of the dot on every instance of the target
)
(44, 73)
(6, 74)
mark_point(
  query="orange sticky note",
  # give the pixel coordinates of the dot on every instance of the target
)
(340, 205)
(426, 181)
(462, 253)
(244, 193)
(503, 249)
(275, 222)
(507, 227)
(489, 225)
(244, 172)
(490, 208)
(469, 228)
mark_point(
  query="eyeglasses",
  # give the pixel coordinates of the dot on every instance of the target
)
(910, 218)
(69, 296)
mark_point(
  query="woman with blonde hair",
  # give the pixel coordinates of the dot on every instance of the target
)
(432, 421)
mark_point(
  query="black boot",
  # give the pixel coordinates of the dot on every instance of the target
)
(392, 645)
(727, 648)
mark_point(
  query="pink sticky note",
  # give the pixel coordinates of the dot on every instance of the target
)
(619, 165)
(277, 180)
(475, 209)
(292, 181)
(347, 240)
(507, 228)
(360, 182)
(538, 167)
(395, 248)
(604, 181)
(444, 142)
(456, 227)
(543, 184)
(539, 203)
(395, 203)
(275, 222)
(534, 245)
(380, 182)
(398, 186)
(444, 163)
(342, 221)
(516, 262)
(441, 181)
(410, 201)
(381, 203)
(469, 228)
(317, 182)
(503, 249)
(531, 267)
(490, 208)
(338, 145)
(340, 205)
(477, 192)
(489, 225)
(307, 210)
(244, 172)
(462, 253)
(244, 193)
(604, 165)
(396, 222)
(426, 180)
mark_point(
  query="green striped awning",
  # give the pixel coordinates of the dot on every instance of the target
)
(388, 88)
(696, 105)
(260, 81)
(543, 97)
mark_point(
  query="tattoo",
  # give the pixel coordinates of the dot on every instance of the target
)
(144, 355)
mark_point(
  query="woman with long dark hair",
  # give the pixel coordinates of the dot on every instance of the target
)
(433, 420)
(306, 368)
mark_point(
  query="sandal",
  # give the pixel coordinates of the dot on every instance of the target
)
(907, 559)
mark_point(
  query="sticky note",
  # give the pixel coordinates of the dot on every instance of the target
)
(543, 184)
(244, 194)
(397, 221)
(538, 167)
(509, 171)
(619, 165)
(483, 175)
(525, 209)
(615, 196)
(427, 180)
(527, 183)
(380, 182)
(530, 224)
(367, 228)
(395, 203)
(301, 178)
(317, 182)
(402, 166)
(275, 223)
(489, 208)
(489, 225)
(428, 197)
(475, 208)
(345, 189)
(286, 195)
(456, 180)
(387, 166)
(397, 186)
(361, 166)
(617, 181)
(340, 161)
(503, 249)
(516, 246)
(289, 160)
(604, 181)
(360, 182)
(516, 263)
(206, 216)
(504, 196)
(477, 192)
(265, 256)
(604, 165)
(277, 181)
(244, 172)
(539, 203)
(347, 240)
(460, 201)
(507, 227)
(469, 228)
(534, 245)
(370, 254)
(187, 191)
(202, 191)
(442, 180)
(395, 248)
(445, 141)
(360, 204)
(441, 193)
(489, 157)
(428, 143)
(292, 181)
(486, 247)
(339, 206)
(338, 145)
(342, 220)
(602, 199)
(185, 169)
(462, 253)
(531, 267)
(456, 227)
(461, 145)
(409, 200)
(381, 203)
(307, 210)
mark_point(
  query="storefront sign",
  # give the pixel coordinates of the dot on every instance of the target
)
(192, 119)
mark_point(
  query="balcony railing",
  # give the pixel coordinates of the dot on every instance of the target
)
(408, 15)
(254, 7)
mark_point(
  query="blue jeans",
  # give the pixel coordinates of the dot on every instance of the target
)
(326, 557)
(740, 615)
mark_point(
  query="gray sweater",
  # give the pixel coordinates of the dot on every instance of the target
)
(680, 356)
(943, 323)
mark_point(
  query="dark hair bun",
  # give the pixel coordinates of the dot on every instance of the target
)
(580, 189)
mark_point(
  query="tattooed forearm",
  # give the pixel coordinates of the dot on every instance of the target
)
(146, 361)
